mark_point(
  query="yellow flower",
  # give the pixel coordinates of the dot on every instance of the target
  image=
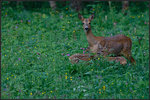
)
(70, 15)
(51, 91)
(34, 47)
(7, 78)
(63, 29)
(66, 73)
(15, 76)
(42, 92)
(98, 58)
(5, 55)
(65, 77)
(104, 88)
(74, 31)
(47, 73)
(71, 79)
(43, 16)
(112, 83)
(99, 92)
(30, 93)
(12, 75)
(142, 96)
(138, 16)
(99, 89)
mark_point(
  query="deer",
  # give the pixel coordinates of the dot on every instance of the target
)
(119, 45)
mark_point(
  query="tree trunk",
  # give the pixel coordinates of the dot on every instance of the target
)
(76, 5)
(125, 6)
(52, 4)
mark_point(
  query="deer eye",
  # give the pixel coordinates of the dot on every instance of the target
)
(82, 23)
(89, 23)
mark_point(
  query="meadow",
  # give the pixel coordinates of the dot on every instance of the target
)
(36, 45)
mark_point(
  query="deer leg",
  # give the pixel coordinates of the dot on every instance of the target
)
(129, 57)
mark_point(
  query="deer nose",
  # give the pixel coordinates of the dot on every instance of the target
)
(86, 28)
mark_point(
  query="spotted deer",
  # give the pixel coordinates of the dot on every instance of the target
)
(118, 44)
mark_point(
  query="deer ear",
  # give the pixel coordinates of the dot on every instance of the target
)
(80, 17)
(91, 17)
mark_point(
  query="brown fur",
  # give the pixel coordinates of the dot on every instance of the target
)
(86, 57)
(118, 44)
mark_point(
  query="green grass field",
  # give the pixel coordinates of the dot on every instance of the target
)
(36, 46)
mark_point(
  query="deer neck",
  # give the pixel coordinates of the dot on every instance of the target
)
(90, 38)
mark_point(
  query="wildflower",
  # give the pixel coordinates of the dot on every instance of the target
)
(83, 52)
(91, 69)
(70, 14)
(34, 47)
(7, 78)
(104, 88)
(5, 55)
(43, 16)
(6, 14)
(65, 77)
(99, 92)
(145, 22)
(19, 59)
(15, 76)
(66, 8)
(66, 73)
(31, 93)
(5, 89)
(138, 16)
(71, 78)
(68, 54)
(16, 26)
(115, 24)
(51, 91)
(74, 31)
(62, 54)
(98, 58)
(42, 92)
(21, 21)
(12, 75)
(63, 29)
(142, 96)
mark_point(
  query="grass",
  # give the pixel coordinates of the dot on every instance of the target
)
(35, 62)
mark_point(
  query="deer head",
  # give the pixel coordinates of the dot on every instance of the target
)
(86, 22)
